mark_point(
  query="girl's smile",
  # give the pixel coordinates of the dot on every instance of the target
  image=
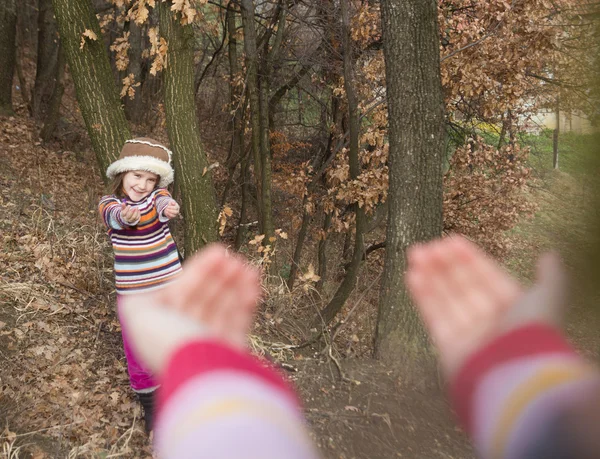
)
(139, 184)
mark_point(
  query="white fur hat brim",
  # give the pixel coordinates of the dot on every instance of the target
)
(142, 163)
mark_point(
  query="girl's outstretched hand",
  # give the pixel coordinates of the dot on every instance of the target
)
(215, 298)
(466, 299)
(172, 209)
(129, 214)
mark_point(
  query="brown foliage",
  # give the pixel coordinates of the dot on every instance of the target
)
(483, 192)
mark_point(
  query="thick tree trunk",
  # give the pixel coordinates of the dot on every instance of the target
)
(47, 60)
(8, 31)
(197, 191)
(416, 136)
(555, 135)
(97, 94)
(349, 282)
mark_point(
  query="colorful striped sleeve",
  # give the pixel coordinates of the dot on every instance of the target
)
(110, 210)
(217, 402)
(512, 395)
(163, 197)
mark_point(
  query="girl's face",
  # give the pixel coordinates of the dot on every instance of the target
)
(139, 184)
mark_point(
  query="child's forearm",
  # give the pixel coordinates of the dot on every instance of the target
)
(218, 402)
(511, 396)
(161, 204)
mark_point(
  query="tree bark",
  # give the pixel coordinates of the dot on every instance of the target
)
(416, 137)
(47, 60)
(555, 135)
(8, 31)
(97, 94)
(349, 282)
(258, 86)
(251, 51)
(322, 252)
(53, 112)
(197, 191)
(134, 107)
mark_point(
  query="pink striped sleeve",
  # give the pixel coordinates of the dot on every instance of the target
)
(510, 395)
(162, 199)
(218, 402)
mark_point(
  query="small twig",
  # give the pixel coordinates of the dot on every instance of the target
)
(46, 429)
(97, 334)
(130, 430)
(72, 287)
(338, 366)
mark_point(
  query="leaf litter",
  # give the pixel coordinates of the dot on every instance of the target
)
(63, 371)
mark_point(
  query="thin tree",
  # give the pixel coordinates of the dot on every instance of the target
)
(347, 286)
(191, 164)
(46, 71)
(556, 134)
(258, 89)
(416, 139)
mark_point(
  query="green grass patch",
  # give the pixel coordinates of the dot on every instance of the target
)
(567, 221)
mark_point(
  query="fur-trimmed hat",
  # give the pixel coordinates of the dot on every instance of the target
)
(144, 154)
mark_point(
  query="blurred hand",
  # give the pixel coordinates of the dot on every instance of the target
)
(129, 214)
(172, 209)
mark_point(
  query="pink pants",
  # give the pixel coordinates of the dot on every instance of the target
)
(140, 378)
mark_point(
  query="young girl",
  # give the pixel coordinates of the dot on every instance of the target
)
(146, 258)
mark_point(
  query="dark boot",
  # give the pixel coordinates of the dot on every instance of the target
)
(147, 401)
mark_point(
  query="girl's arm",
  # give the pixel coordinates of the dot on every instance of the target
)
(219, 402)
(518, 396)
(163, 201)
(110, 209)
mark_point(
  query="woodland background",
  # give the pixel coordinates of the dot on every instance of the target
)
(320, 138)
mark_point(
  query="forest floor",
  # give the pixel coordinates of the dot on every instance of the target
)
(63, 381)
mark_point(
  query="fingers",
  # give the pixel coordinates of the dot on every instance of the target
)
(129, 213)
(218, 289)
(460, 293)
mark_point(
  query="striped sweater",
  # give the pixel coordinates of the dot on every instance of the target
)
(216, 402)
(517, 396)
(146, 257)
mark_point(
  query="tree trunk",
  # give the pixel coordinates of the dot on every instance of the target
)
(555, 135)
(416, 136)
(237, 103)
(8, 31)
(53, 112)
(97, 94)
(322, 252)
(47, 60)
(133, 107)
(349, 282)
(197, 191)
(251, 50)
(299, 245)
(240, 235)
